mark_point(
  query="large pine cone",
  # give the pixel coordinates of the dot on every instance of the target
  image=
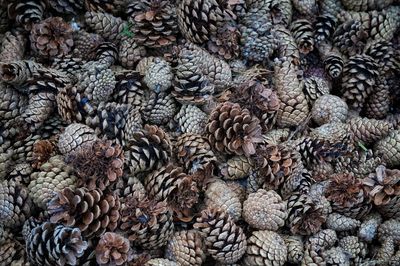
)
(112, 249)
(191, 119)
(233, 130)
(26, 13)
(369, 130)
(93, 212)
(15, 204)
(329, 108)
(225, 241)
(154, 22)
(52, 244)
(159, 108)
(51, 38)
(74, 136)
(12, 46)
(106, 25)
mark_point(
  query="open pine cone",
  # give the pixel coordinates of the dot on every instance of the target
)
(112, 249)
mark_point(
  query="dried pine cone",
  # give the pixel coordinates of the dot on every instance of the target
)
(336, 256)
(369, 227)
(93, 212)
(12, 46)
(225, 43)
(332, 59)
(369, 130)
(315, 87)
(52, 244)
(378, 104)
(51, 38)
(112, 249)
(237, 167)
(365, 5)
(129, 52)
(339, 222)
(265, 248)
(350, 37)
(10, 250)
(26, 13)
(265, 210)
(388, 148)
(295, 248)
(303, 33)
(42, 151)
(74, 136)
(66, 6)
(160, 108)
(325, 25)
(186, 248)
(353, 246)
(225, 241)
(233, 130)
(158, 75)
(106, 25)
(160, 262)
(191, 119)
(328, 109)
(53, 176)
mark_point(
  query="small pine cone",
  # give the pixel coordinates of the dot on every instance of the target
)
(106, 54)
(12, 46)
(42, 151)
(158, 75)
(303, 33)
(295, 248)
(305, 214)
(225, 43)
(388, 149)
(332, 59)
(154, 22)
(265, 210)
(106, 25)
(325, 25)
(225, 241)
(74, 136)
(265, 248)
(369, 227)
(353, 246)
(378, 103)
(71, 7)
(390, 229)
(186, 248)
(160, 262)
(220, 196)
(299, 181)
(148, 150)
(365, 5)
(40, 107)
(350, 37)
(112, 249)
(98, 164)
(294, 107)
(237, 167)
(347, 196)
(15, 204)
(339, 222)
(238, 138)
(93, 212)
(358, 80)
(27, 13)
(130, 53)
(193, 152)
(53, 177)
(191, 119)
(324, 239)
(98, 83)
(86, 44)
(329, 109)
(314, 88)
(147, 223)
(52, 244)
(336, 256)
(160, 108)
(368, 130)
(383, 188)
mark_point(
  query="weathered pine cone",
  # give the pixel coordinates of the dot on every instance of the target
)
(295, 248)
(66, 6)
(129, 53)
(315, 87)
(388, 149)
(26, 13)
(237, 167)
(74, 136)
(158, 75)
(329, 108)
(12, 46)
(365, 5)
(191, 119)
(369, 130)
(350, 37)
(353, 246)
(112, 249)
(303, 33)
(340, 223)
(159, 108)
(106, 25)
(369, 227)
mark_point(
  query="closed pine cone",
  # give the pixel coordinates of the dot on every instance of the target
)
(158, 75)
(354, 246)
(225, 241)
(160, 262)
(74, 136)
(369, 227)
(265, 248)
(233, 130)
(159, 108)
(295, 248)
(112, 249)
(329, 108)
(225, 43)
(365, 5)
(86, 44)
(237, 167)
(388, 149)
(52, 177)
(315, 87)
(93, 212)
(303, 33)
(129, 53)
(66, 6)
(51, 38)
(12, 46)
(106, 25)
(265, 210)
(191, 119)
(350, 37)
(340, 223)
(369, 130)
(186, 248)
(10, 250)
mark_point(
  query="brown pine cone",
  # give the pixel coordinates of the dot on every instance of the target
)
(332, 59)
(12, 103)
(191, 119)
(158, 75)
(219, 195)
(303, 33)
(148, 150)
(130, 52)
(347, 196)
(238, 138)
(85, 44)
(148, 223)
(18, 72)
(225, 241)
(74, 136)
(51, 38)
(143, 64)
(186, 248)
(128, 89)
(112, 249)
(265, 248)
(368, 130)
(52, 244)
(329, 108)
(26, 13)
(66, 6)
(388, 149)
(225, 43)
(383, 187)
(106, 53)
(42, 151)
(314, 88)
(106, 25)
(98, 164)
(154, 22)
(53, 177)
(12, 46)
(40, 107)
(160, 108)
(295, 248)
(9, 251)
(15, 204)
(67, 104)
(237, 167)
(93, 212)
(299, 181)
(378, 104)
(265, 210)
(350, 37)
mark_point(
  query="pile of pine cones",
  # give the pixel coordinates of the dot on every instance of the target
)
(199, 132)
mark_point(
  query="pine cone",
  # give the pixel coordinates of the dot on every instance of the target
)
(186, 248)
(98, 164)
(191, 119)
(52, 178)
(303, 33)
(324, 239)
(390, 229)
(295, 248)
(299, 181)
(39, 109)
(336, 256)
(154, 22)
(265, 248)
(12, 103)
(52, 244)
(369, 227)
(388, 149)
(353, 246)
(225, 241)
(329, 109)
(369, 130)
(106, 25)
(160, 262)
(347, 197)
(66, 6)
(51, 38)
(93, 212)
(112, 249)
(265, 210)
(107, 53)
(233, 138)
(237, 167)
(128, 89)
(130, 52)
(219, 195)
(350, 37)
(148, 150)
(16, 205)
(378, 104)
(158, 75)
(160, 108)
(366, 5)
(325, 25)
(12, 46)
(225, 43)
(340, 223)
(74, 136)
(26, 13)
(332, 59)
(314, 88)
